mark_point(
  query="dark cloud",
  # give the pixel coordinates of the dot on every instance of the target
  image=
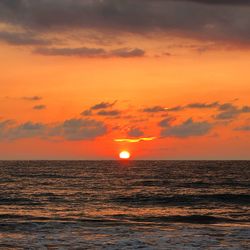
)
(103, 105)
(109, 113)
(87, 112)
(39, 107)
(245, 109)
(155, 109)
(226, 111)
(4, 125)
(199, 105)
(100, 109)
(176, 108)
(15, 38)
(221, 2)
(227, 115)
(90, 52)
(243, 128)
(73, 129)
(166, 122)
(187, 129)
(32, 98)
(135, 132)
(79, 129)
(211, 20)
(83, 52)
(26, 130)
(229, 111)
(227, 106)
(126, 53)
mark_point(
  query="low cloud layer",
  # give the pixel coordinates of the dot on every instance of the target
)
(187, 129)
(72, 130)
(90, 52)
(79, 129)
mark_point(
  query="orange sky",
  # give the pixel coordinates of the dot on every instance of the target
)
(129, 85)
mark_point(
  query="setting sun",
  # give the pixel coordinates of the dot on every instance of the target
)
(124, 155)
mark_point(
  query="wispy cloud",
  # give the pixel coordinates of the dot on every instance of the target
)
(90, 52)
(109, 113)
(22, 39)
(155, 109)
(103, 105)
(32, 98)
(101, 109)
(243, 128)
(135, 140)
(39, 107)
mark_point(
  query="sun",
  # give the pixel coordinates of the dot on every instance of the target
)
(124, 155)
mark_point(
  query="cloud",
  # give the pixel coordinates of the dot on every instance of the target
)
(87, 112)
(245, 109)
(135, 140)
(39, 107)
(100, 109)
(103, 105)
(166, 122)
(4, 125)
(155, 109)
(109, 113)
(72, 130)
(90, 52)
(83, 52)
(243, 128)
(210, 20)
(176, 108)
(25, 130)
(15, 38)
(135, 132)
(229, 111)
(199, 105)
(79, 129)
(32, 98)
(187, 129)
(126, 53)
(221, 2)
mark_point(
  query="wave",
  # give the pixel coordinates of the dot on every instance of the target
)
(195, 219)
(18, 201)
(182, 199)
(10, 220)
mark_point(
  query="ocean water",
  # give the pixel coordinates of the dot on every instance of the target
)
(125, 205)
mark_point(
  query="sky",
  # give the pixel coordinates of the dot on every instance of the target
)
(86, 79)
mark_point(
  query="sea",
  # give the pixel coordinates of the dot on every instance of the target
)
(124, 205)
